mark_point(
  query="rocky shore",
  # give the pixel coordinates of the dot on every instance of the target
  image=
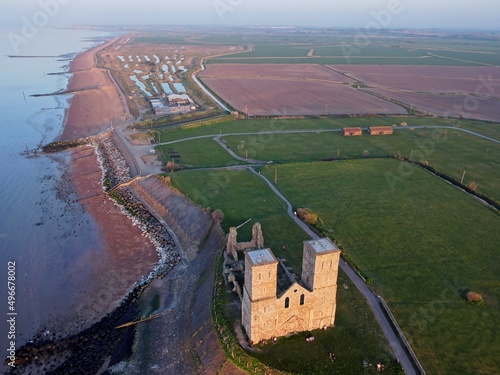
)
(87, 351)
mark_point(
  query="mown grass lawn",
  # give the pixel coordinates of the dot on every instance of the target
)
(423, 242)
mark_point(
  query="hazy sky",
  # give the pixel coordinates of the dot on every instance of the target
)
(457, 14)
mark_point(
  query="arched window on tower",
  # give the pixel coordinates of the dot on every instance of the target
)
(302, 299)
(287, 302)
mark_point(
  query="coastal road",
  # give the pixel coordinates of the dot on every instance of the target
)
(372, 300)
(205, 90)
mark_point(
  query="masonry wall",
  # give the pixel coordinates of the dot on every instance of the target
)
(305, 307)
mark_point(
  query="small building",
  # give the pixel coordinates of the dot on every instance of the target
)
(301, 305)
(381, 130)
(352, 132)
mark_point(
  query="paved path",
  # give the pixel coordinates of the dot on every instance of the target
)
(318, 131)
(372, 300)
(233, 154)
(140, 150)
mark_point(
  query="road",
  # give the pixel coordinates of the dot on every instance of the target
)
(205, 90)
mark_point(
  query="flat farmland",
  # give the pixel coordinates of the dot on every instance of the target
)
(277, 71)
(429, 79)
(423, 243)
(293, 92)
(458, 91)
(465, 106)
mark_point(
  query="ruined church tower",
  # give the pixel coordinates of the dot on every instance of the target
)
(304, 306)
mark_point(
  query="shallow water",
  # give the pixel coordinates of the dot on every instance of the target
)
(43, 229)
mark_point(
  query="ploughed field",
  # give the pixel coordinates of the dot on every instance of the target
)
(294, 90)
(470, 92)
(310, 89)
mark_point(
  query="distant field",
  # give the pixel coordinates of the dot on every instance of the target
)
(353, 59)
(269, 90)
(308, 89)
(431, 79)
(378, 50)
(423, 244)
(470, 92)
(465, 106)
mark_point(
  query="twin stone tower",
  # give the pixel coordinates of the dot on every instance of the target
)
(303, 305)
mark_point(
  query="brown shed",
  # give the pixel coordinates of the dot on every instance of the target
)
(381, 130)
(352, 132)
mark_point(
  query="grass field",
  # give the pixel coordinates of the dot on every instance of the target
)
(242, 196)
(356, 336)
(199, 153)
(451, 152)
(424, 244)
(378, 51)
(257, 125)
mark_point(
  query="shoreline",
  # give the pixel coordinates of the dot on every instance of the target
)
(129, 254)
(96, 104)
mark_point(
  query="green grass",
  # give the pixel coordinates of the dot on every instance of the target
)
(451, 152)
(200, 153)
(423, 243)
(257, 125)
(356, 336)
(242, 196)
(276, 50)
(349, 59)
(480, 58)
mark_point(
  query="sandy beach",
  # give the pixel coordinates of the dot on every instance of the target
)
(126, 254)
(96, 104)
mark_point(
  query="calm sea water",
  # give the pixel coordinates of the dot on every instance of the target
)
(42, 229)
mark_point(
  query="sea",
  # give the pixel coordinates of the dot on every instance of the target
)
(45, 235)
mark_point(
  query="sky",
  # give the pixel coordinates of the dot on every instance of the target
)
(445, 14)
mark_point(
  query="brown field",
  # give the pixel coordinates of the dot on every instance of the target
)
(456, 91)
(429, 79)
(291, 90)
(465, 106)
(274, 71)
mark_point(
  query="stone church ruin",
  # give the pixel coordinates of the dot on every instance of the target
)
(275, 302)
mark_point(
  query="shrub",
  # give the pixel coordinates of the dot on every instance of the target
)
(308, 216)
(473, 185)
